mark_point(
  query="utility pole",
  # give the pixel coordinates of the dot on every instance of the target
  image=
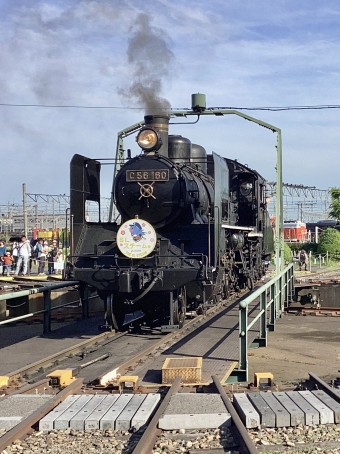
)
(24, 208)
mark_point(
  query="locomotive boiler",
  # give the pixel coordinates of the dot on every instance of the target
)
(192, 228)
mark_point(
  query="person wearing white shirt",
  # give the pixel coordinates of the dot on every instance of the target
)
(24, 252)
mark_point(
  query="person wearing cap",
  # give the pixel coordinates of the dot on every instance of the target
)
(42, 258)
(52, 257)
(8, 260)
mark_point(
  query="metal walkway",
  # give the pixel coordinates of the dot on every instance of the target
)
(223, 340)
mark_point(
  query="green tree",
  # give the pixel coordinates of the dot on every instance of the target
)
(329, 241)
(334, 212)
(287, 253)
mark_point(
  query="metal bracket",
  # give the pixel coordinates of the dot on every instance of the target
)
(169, 328)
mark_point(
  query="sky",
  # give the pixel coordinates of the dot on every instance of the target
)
(124, 54)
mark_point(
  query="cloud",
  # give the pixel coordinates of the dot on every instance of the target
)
(77, 52)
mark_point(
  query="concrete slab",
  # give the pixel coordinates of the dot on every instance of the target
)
(331, 403)
(195, 411)
(47, 422)
(208, 451)
(246, 410)
(188, 403)
(63, 421)
(312, 416)
(109, 419)
(267, 416)
(8, 422)
(194, 421)
(326, 414)
(281, 414)
(78, 421)
(297, 416)
(123, 422)
(19, 406)
(145, 411)
(92, 422)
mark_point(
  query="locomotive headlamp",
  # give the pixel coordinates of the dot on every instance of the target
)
(148, 139)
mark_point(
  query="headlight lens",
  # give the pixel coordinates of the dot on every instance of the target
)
(147, 139)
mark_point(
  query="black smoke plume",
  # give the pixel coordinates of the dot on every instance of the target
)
(151, 62)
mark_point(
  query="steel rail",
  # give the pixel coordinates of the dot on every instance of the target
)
(22, 429)
(324, 386)
(41, 385)
(149, 437)
(167, 338)
(17, 374)
(324, 311)
(64, 353)
(244, 440)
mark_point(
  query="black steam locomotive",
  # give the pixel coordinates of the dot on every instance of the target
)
(193, 227)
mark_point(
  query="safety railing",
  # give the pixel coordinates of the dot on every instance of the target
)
(317, 260)
(320, 259)
(314, 259)
(47, 303)
(272, 297)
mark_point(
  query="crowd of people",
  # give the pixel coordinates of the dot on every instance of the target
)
(19, 257)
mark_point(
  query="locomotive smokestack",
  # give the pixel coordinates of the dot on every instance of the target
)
(159, 123)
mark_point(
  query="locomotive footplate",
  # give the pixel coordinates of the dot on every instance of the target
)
(128, 281)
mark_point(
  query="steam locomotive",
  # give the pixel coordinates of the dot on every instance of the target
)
(193, 228)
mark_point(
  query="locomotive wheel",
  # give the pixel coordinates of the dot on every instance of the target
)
(180, 307)
(114, 319)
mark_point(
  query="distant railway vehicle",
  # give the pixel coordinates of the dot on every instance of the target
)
(295, 231)
(322, 225)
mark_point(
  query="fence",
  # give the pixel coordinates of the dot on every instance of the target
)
(318, 259)
(272, 297)
(47, 303)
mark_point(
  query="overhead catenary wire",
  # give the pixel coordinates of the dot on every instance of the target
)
(268, 108)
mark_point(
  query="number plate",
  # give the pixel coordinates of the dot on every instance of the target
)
(147, 175)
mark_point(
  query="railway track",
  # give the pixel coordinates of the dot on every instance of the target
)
(128, 442)
(314, 311)
(21, 430)
(146, 440)
(150, 439)
(95, 357)
(92, 351)
(30, 372)
(320, 276)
